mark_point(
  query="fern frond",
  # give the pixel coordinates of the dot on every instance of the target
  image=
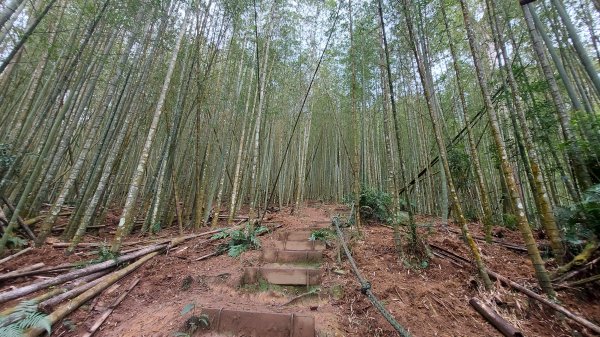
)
(237, 250)
(35, 320)
(11, 331)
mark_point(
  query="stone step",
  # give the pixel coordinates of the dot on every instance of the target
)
(259, 324)
(291, 256)
(300, 245)
(283, 275)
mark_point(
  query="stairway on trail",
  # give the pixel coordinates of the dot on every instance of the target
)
(293, 261)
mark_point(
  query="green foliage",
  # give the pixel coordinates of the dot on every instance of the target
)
(155, 228)
(375, 204)
(240, 240)
(188, 307)
(16, 242)
(193, 323)
(6, 159)
(24, 317)
(460, 167)
(509, 221)
(580, 221)
(323, 234)
(104, 254)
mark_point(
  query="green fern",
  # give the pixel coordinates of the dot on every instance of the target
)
(23, 318)
(580, 222)
(240, 240)
(11, 331)
(323, 234)
(221, 235)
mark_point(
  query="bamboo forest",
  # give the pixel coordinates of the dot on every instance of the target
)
(303, 168)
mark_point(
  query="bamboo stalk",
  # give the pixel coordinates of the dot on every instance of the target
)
(574, 273)
(207, 256)
(584, 281)
(57, 291)
(10, 257)
(109, 310)
(49, 304)
(495, 276)
(22, 291)
(18, 272)
(496, 320)
(501, 243)
(19, 219)
(68, 308)
(552, 305)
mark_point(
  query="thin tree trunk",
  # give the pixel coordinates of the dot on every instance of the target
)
(126, 220)
(507, 171)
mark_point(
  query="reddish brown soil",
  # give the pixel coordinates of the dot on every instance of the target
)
(428, 302)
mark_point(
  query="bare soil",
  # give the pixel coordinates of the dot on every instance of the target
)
(430, 301)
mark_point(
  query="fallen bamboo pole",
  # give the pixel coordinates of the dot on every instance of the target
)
(19, 253)
(496, 320)
(20, 220)
(49, 304)
(583, 281)
(574, 273)
(68, 308)
(59, 268)
(504, 244)
(18, 272)
(22, 291)
(207, 256)
(552, 305)
(109, 310)
(495, 276)
(11, 316)
(58, 291)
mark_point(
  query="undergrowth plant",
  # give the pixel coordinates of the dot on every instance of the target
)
(323, 234)
(580, 222)
(23, 318)
(193, 323)
(240, 240)
(104, 254)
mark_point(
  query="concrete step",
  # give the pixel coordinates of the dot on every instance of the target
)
(283, 275)
(259, 324)
(300, 245)
(291, 256)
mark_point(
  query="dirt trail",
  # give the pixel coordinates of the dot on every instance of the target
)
(428, 302)
(154, 307)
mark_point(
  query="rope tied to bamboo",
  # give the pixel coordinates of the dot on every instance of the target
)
(365, 286)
